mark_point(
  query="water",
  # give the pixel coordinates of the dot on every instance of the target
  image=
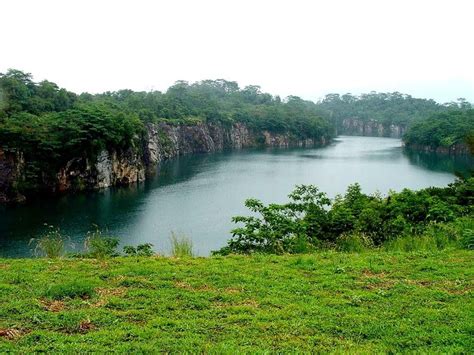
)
(197, 195)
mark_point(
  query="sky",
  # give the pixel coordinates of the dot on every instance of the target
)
(292, 47)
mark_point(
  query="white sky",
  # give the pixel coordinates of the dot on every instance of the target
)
(304, 48)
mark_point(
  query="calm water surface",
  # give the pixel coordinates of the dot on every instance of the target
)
(197, 195)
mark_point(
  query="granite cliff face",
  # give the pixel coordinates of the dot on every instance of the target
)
(358, 127)
(159, 142)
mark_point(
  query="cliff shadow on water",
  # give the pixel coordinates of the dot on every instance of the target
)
(461, 165)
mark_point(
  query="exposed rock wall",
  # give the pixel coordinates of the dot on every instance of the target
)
(11, 165)
(160, 142)
(358, 127)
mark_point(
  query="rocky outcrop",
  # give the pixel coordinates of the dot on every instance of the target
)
(11, 166)
(373, 128)
(159, 142)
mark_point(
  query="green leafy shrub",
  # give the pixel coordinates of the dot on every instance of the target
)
(467, 239)
(139, 250)
(100, 246)
(73, 289)
(51, 245)
(181, 246)
(425, 219)
(354, 242)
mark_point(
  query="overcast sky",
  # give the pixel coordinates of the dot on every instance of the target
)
(303, 48)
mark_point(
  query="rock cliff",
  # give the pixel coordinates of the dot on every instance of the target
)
(373, 128)
(159, 142)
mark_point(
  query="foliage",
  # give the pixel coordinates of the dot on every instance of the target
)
(372, 302)
(352, 222)
(386, 108)
(181, 246)
(443, 130)
(50, 245)
(139, 250)
(98, 245)
(53, 127)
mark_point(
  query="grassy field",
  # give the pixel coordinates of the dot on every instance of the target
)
(369, 302)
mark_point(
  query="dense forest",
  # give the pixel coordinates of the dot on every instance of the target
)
(51, 125)
(443, 130)
(386, 108)
(427, 124)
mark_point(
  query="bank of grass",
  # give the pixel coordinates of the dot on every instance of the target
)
(360, 302)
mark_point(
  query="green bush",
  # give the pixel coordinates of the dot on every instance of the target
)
(139, 250)
(354, 242)
(100, 246)
(467, 239)
(407, 220)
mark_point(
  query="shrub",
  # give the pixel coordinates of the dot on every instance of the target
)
(73, 289)
(140, 250)
(100, 246)
(467, 239)
(181, 246)
(51, 245)
(354, 242)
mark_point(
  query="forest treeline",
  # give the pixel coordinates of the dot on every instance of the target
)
(429, 124)
(50, 123)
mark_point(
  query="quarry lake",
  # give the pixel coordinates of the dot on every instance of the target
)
(197, 195)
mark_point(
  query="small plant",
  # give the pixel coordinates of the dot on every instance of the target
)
(51, 245)
(140, 250)
(73, 289)
(354, 242)
(467, 239)
(181, 246)
(100, 246)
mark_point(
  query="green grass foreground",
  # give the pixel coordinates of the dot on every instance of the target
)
(368, 302)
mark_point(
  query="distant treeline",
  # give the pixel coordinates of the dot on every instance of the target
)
(387, 108)
(429, 124)
(51, 125)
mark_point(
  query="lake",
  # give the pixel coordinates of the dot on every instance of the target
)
(197, 195)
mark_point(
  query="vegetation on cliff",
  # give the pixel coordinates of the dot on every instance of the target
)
(50, 126)
(387, 108)
(443, 131)
(437, 217)
(326, 302)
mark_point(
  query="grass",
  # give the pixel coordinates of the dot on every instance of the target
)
(50, 245)
(373, 301)
(181, 246)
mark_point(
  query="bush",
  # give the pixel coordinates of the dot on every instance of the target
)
(355, 242)
(73, 289)
(51, 245)
(467, 239)
(100, 246)
(355, 221)
(181, 246)
(140, 250)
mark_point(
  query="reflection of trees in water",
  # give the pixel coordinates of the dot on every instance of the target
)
(462, 164)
